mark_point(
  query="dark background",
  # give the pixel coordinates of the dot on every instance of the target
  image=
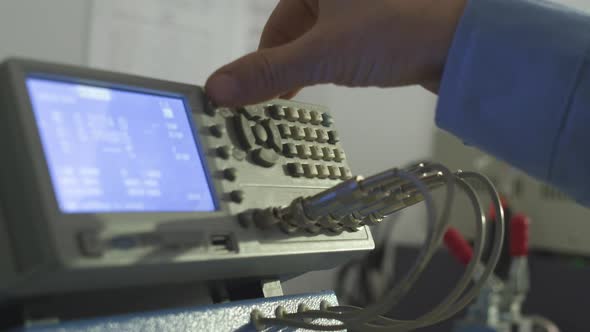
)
(560, 288)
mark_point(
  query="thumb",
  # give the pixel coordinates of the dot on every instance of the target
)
(264, 74)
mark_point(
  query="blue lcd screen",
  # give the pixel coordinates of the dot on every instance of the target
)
(116, 150)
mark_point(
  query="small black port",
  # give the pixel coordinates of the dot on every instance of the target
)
(222, 243)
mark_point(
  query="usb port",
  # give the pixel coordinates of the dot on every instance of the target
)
(221, 243)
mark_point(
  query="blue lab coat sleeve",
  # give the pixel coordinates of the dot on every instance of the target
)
(517, 85)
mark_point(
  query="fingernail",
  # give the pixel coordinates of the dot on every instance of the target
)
(223, 89)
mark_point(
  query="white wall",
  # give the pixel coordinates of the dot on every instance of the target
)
(51, 30)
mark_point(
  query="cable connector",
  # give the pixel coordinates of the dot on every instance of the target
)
(458, 246)
(519, 235)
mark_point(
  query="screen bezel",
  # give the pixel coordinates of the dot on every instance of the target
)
(65, 225)
(139, 90)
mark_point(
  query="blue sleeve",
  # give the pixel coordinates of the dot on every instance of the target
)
(517, 85)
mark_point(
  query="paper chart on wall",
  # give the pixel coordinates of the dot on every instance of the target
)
(179, 40)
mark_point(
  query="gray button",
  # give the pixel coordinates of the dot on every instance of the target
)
(276, 112)
(310, 134)
(310, 171)
(334, 172)
(239, 154)
(289, 150)
(246, 219)
(327, 120)
(237, 196)
(322, 136)
(328, 154)
(295, 169)
(90, 244)
(223, 152)
(334, 137)
(284, 130)
(291, 114)
(217, 130)
(316, 152)
(244, 132)
(303, 151)
(226, 112)
(323, 171)
(260, 134)
(210, 109)
(274, 137)
(304, 116)
(316, 117)
(297, 132)
(253, 112)
(230, 174)
(265, 157)
(345, 173)
(339, 155)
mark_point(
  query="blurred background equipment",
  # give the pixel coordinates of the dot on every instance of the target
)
(554, 214)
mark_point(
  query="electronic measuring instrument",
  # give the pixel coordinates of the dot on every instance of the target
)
(111, 180)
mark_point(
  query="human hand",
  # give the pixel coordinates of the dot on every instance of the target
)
(355, 43)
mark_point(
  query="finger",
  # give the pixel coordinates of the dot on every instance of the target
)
(289, 20)
(291, 93)
(264, 74)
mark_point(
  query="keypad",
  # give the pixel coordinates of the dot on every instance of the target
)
(291, 114)
(284, 130)
(316, 153)
(303, 151)
(260, 134)
(244, 132)
(295, 169)
(297, 132)
(277, 112)
(334, 172)
(252, 112)
(316, 117)
(310, 171)
(339, 155)
(274, 137)
(323, 172)
(265, 157)
(290, 150)
(345, 173)
(304, 116)
(328, 153)
(322, 136)
(310, 134)
(300, 139)
(333, 137)
(239, 154)
(327, 120)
